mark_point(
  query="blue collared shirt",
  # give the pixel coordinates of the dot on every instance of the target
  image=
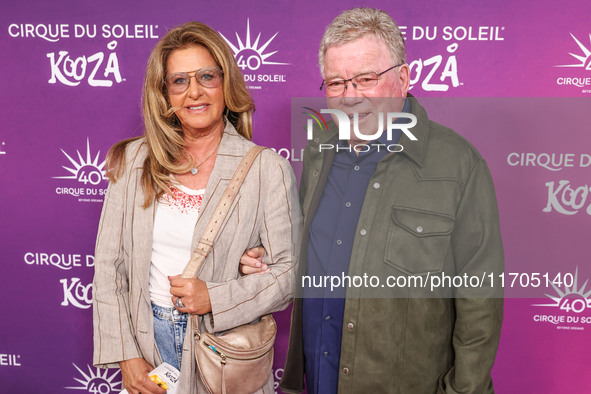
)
(332, 233)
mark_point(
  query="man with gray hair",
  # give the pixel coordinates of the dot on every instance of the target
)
(427, 210)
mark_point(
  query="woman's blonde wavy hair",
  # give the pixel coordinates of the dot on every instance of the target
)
(163, 133)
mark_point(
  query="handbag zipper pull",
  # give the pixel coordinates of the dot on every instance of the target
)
(222, 355)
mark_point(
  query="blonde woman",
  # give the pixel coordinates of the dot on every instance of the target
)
(163, 189)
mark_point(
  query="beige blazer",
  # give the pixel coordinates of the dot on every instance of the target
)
(266, 212)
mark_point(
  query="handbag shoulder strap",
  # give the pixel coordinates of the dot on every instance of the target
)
(221, 211)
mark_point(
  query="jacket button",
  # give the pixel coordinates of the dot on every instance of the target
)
(346, 371)
(376, 185)
(419, 229)
(363, 231)
(315, 173)
(350, 326)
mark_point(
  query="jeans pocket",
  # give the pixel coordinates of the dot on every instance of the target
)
(168, 334)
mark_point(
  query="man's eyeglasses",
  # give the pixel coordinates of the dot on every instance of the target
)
(209, 77)
(337, 87)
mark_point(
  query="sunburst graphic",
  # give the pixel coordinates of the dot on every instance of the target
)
(249, 54)
(97, 381)
(585, 59)
(87, 170)
(572, 298)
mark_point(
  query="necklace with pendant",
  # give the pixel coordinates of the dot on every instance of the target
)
(195, 169)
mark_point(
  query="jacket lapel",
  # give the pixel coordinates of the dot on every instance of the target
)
(416, 150)
(143, 225)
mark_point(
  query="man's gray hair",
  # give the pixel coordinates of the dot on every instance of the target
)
(358, 22)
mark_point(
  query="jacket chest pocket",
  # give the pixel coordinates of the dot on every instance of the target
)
(418, 240)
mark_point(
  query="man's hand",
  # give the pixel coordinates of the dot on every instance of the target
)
(193, 293)
(135, 377)
(251, 261)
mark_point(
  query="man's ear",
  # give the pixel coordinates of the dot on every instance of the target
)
(404, 78)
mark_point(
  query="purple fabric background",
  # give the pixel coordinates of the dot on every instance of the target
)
(506, 99)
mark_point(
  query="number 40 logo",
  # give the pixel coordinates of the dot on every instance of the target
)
(251, 54)
(99, 381)
(85, 170)
(575, 303)
(573, 298)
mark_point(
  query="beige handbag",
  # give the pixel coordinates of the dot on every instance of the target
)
(239, 360)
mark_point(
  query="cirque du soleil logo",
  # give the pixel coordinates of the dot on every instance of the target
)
(89, 172)
(584, 62)
(251, 55)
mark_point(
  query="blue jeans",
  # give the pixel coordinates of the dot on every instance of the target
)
(169, 332)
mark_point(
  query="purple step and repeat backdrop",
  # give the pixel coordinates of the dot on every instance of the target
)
(512, 77)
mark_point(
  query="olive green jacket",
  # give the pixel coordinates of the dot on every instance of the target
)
(428, 210)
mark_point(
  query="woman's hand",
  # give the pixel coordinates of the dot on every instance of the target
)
(135, 377)
(251, 261)
(193, 294)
